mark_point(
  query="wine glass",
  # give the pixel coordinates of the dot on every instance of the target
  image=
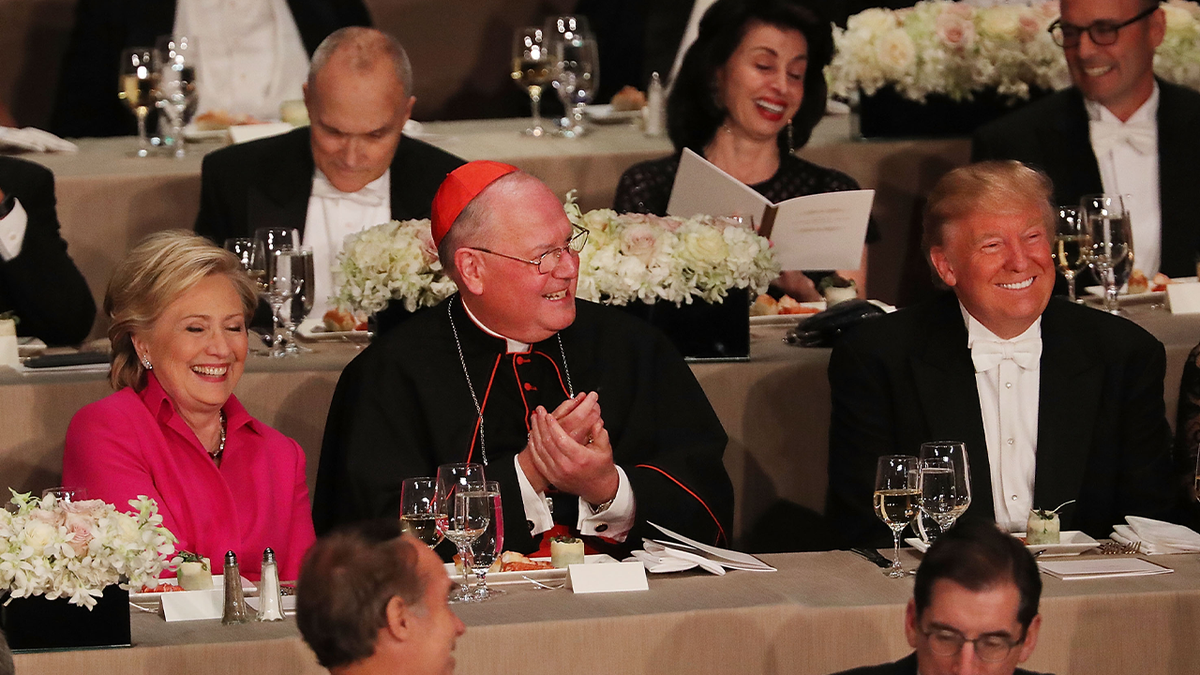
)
(418, 509)
(274, 242)
(245, 249)
(178, 95)
(1072, 246)
(896, 496)
(576, 69)
(303, 296)
(945, 482)
(459, 518)
(1107, 221)
(531, 69)
(486, 549)
(135, 86)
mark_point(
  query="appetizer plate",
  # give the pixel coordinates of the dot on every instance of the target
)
(604, 114)
(313, 328)
(1072, 542)
(218, 582)
(787, 319)
(537, 575)
(1144, 296)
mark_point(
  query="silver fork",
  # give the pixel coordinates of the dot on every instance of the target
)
(542, 586)
(1117, 548)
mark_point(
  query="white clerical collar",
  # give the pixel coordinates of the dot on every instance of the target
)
(1147, 114)
(977, 332)
(514, 346)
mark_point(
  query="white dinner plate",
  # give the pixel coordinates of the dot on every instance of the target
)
(1071, 542)
(604, 114)
(787, 319)
(218, 582)
(537, 575)
(313, 328)
(1144, 296)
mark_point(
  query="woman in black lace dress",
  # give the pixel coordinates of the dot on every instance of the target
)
(749, 90)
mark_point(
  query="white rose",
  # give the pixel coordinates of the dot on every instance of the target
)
(872, 20)
(1178, 18)
(640, 242)
(1003, 21)
(706, 246)
(895, 50)
(39, 534)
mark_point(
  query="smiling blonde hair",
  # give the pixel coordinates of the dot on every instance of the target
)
(160, 269)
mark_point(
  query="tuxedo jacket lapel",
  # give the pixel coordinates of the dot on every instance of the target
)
(281, 200)
(945, 383)
(1068, 402)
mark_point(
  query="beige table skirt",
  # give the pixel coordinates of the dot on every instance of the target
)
(821, 612)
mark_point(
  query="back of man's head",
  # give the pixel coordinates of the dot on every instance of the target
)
(346, 582)
(977, 556)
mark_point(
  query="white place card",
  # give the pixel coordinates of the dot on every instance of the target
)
(610, 578)
(193, 605)
(1101, 568)
(1184, 298)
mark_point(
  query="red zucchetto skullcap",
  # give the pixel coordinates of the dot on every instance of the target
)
(460, 187)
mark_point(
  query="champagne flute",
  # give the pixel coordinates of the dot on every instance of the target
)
(274, 240)
(531, 70)
(456, 520)
(280, 289)
(177, 87)
(135, 86)
(1107, 223)
(244, 248)
(896, 497)
(303, 297)
(576, 69)
(945, 482)
(486, 549)
(1072, 246)
(418, 509)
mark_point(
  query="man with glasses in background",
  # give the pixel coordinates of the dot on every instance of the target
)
(586, 416)
(1117, 131)
(974, 607)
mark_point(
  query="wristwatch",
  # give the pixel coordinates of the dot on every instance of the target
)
(6, 206)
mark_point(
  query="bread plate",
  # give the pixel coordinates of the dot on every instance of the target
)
(604, 114)
(536, 575)
(1144, 296)
(1071, 542)
(314, 329)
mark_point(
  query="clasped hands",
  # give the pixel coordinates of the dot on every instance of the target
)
(569, 448)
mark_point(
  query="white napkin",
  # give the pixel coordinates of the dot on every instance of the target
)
(1156, 536)
(34, 139)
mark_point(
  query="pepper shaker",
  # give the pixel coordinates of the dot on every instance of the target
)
(235, 602)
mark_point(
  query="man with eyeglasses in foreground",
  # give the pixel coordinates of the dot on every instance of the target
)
(1118, 131)
(558, 397)
(974, 608)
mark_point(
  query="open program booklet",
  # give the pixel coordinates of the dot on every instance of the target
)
(815, 232)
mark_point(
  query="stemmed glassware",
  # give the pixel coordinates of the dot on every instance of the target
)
(1072, 246)
(462, 514)
(135, 86)
(532, 66)
(945, 482)
(419, 509)
(277, 245)
(486, 549)
(177, 91)
(896, 497)
(303, 297)
(576, 69)
(1107, 221)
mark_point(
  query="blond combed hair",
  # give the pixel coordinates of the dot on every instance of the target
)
(997, 186)
(160, 269)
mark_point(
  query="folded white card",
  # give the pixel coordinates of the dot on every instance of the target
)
(193, 605)
(813, 232)
(1183, 298)
(610, 578)
(1101, 567)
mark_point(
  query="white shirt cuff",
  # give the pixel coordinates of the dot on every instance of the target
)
(537, 512)
(12, 231)
(616, 521)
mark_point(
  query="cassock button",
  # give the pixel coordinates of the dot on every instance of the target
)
(530, 387)
(529, 524)
(601, 527)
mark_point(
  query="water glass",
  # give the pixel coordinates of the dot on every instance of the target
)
(1107, 221)
(486, 549)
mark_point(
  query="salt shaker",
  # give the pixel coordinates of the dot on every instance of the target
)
(655, 107)
(270, 603)
(235, 602)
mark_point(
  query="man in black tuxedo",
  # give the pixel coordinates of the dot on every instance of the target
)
(87, 103)
(352, 169)
(38, 281)
(974, 607)
(1117, 131)
(1055, 401)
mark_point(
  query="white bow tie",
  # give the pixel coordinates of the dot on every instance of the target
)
(1109, 134)
(369, 195)
(987, 354)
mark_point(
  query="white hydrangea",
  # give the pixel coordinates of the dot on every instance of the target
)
(392, 261)
(76, 549)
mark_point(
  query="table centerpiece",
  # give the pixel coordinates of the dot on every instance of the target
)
(675, 272)
(66, 568)
(943, 68)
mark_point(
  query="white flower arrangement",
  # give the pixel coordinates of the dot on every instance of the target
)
(955, 49)
(395, 260)
(63, 549)
(632, 257)
(628, 257)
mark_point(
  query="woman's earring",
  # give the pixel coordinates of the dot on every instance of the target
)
(146, 363)
(791, 143)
